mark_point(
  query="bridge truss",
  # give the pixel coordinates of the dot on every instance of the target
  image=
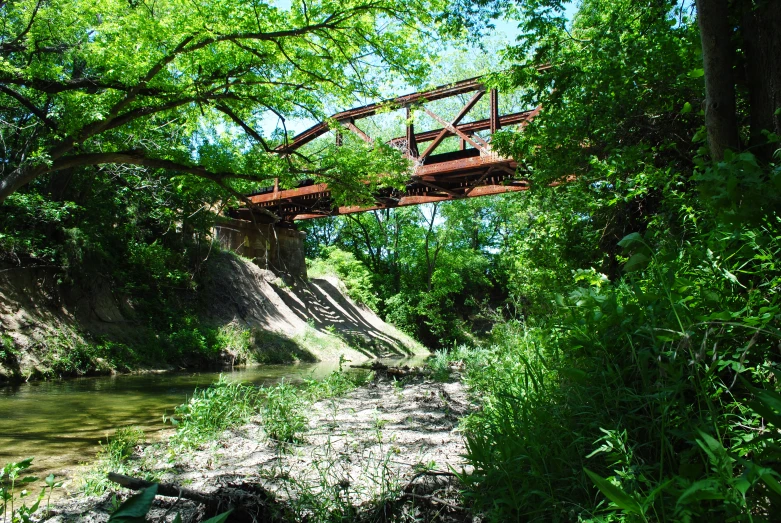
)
(473, 170)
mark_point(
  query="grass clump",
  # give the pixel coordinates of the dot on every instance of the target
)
(442, 363)
(336, 384)
(282, 413)
(212, 410)
(281, 408)
(115, 455)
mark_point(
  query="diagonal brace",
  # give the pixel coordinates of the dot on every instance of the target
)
(453, 129)
(350, 124)
(463, 112)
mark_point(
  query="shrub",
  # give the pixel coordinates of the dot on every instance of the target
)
(659, 391)
(356, 277)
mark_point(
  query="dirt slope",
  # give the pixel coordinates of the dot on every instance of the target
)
(317, 315)
(41, 318)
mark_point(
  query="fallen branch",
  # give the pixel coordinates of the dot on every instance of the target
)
(163, 489)
(432, 499)
(255, 506)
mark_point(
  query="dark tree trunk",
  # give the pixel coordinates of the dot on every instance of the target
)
(717, 53)
(761, 30)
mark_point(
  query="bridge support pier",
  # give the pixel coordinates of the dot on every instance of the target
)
(275, 248)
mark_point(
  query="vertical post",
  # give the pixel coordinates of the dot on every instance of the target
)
(412, 144)
(462, 144)
(494, 111)
(276, 184)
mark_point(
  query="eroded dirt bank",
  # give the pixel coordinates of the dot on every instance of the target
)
(47, 327)
(385, 451)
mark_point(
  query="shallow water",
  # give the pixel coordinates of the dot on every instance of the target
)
(60, 423)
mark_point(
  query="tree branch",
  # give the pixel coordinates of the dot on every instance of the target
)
(137, 157)
(30, 106)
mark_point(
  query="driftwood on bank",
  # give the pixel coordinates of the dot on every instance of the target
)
(163, 489)
(255, 505)
(396, 372)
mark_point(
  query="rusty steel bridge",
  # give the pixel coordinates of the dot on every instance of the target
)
(472, 170)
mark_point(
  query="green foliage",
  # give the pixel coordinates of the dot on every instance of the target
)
(69, 353)
(13, 505)
(356, 278)
(336, 384)
(212, 410)
(440, 365)
(647, 382)
(8, 350)
(430, 267)
(115, 455)
(100, 85)
(282, 414)
(281, 407)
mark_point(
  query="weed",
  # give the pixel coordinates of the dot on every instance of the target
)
(8, 350)
(282, 413)
(10, 503)
(115, 455)
(439, 364)
(212, 410)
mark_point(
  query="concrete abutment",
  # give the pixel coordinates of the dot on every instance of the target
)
(271, 247)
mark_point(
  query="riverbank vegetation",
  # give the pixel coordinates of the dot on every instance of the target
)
(618, 324)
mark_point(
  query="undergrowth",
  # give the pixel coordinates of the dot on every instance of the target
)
(281, 408)
(652, 398)
(116, 454)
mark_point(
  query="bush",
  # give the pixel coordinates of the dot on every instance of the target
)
(356, 277)
(659, 391)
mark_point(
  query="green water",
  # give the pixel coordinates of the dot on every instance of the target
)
(61, 422)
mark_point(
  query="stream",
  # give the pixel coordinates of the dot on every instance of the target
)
(61, 423)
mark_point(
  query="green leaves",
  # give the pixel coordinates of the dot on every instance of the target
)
(636, 262)
(136, 507)
(615, 494)
(110, 79)
(639, 260)
(696, 73)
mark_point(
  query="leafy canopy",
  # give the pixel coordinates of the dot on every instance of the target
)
(192, 86)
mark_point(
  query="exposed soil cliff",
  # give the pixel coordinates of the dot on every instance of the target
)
(45, 324)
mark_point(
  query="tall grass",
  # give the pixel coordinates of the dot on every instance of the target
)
(280, 409)
(212, 410)
(652, 399)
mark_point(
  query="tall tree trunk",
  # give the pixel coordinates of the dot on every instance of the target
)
(717, 53)
(761, 30)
